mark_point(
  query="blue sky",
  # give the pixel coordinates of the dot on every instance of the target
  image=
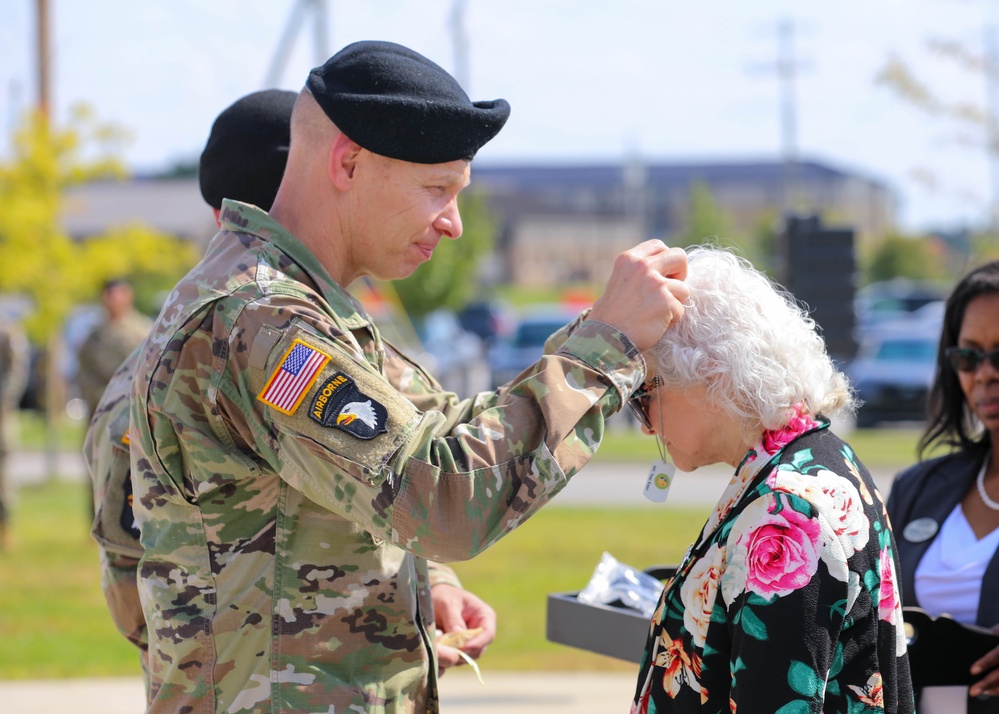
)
(588, 80)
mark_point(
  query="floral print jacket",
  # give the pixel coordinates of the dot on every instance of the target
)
(788, 601)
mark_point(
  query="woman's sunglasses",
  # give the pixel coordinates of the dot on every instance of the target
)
(639, 402)
(969, 359)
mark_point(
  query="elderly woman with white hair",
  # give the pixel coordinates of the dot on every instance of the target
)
(787, 601)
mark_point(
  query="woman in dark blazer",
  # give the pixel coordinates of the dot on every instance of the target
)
(945, 511)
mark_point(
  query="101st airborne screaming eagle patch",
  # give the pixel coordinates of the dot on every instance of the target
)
(340, 404)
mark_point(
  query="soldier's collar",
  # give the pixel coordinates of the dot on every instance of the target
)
(246, 218)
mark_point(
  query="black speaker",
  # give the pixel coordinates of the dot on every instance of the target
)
(819, 269)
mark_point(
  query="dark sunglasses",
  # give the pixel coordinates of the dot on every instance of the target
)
(969, 359)
(639, 402)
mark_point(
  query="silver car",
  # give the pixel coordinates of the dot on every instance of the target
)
(894, 370)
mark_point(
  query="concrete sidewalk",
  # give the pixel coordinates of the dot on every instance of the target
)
(521, 692)
(598, 484)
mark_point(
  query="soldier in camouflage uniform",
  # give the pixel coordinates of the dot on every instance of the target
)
(13, 377)
(244, 158)
(110, 342)
(293, 472)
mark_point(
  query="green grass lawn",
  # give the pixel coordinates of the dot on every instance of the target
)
(886, 447)
(54, 622)
(33, 434)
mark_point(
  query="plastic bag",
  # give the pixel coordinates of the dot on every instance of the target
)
(614, 583)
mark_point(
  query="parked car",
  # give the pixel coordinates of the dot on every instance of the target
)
(893, 371)
(489, 319)
(888, 302)
(454, 356)
(511, 355)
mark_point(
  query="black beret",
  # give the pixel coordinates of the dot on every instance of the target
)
(247, 149)
(397, 103)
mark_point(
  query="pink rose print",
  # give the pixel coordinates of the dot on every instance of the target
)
(781, 551)
(888, 603)
(839, 505)
(774, 440)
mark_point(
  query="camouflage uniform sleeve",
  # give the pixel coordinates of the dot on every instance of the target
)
(553, 343)
(425, 392)
(106, 453)
(337, 431)
(119, 581)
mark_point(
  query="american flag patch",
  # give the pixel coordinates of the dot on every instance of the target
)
(299, 368)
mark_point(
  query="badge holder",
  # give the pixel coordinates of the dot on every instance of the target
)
(659, 480)
(661, 473)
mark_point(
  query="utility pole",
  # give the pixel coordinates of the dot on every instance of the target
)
(787, 68)
(42, 13)
(786, 75)
(291, 30)
(459, 36)
(55, 392)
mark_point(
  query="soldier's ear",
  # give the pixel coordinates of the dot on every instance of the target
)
(343, 158)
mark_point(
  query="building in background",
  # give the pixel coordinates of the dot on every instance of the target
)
(563, 222)
(559, 223)
(172, 206)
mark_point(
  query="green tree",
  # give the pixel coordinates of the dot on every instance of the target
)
(46, 265)
(762, 248)
(971, 124)
(705, 220)
(42, 261)
(152, 261)
(450, 279)
(984, 248)
(899, 256)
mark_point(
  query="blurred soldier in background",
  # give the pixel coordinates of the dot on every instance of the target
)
(13, 377)
(110, 342)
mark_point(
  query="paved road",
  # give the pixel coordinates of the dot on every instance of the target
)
(622, 484)
(611, 484)
(521, 692)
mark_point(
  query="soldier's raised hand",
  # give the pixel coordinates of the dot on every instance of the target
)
(645, 292)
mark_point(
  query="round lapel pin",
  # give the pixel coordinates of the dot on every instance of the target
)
(920, 530)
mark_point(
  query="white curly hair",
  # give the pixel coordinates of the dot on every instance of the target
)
(749, 343)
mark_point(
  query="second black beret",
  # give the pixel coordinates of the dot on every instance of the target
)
(247, 149)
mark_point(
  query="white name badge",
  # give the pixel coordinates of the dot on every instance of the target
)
(659, 480)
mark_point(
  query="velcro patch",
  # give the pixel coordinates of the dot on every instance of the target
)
(298, 369)
(126, 519)
(340, 404)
